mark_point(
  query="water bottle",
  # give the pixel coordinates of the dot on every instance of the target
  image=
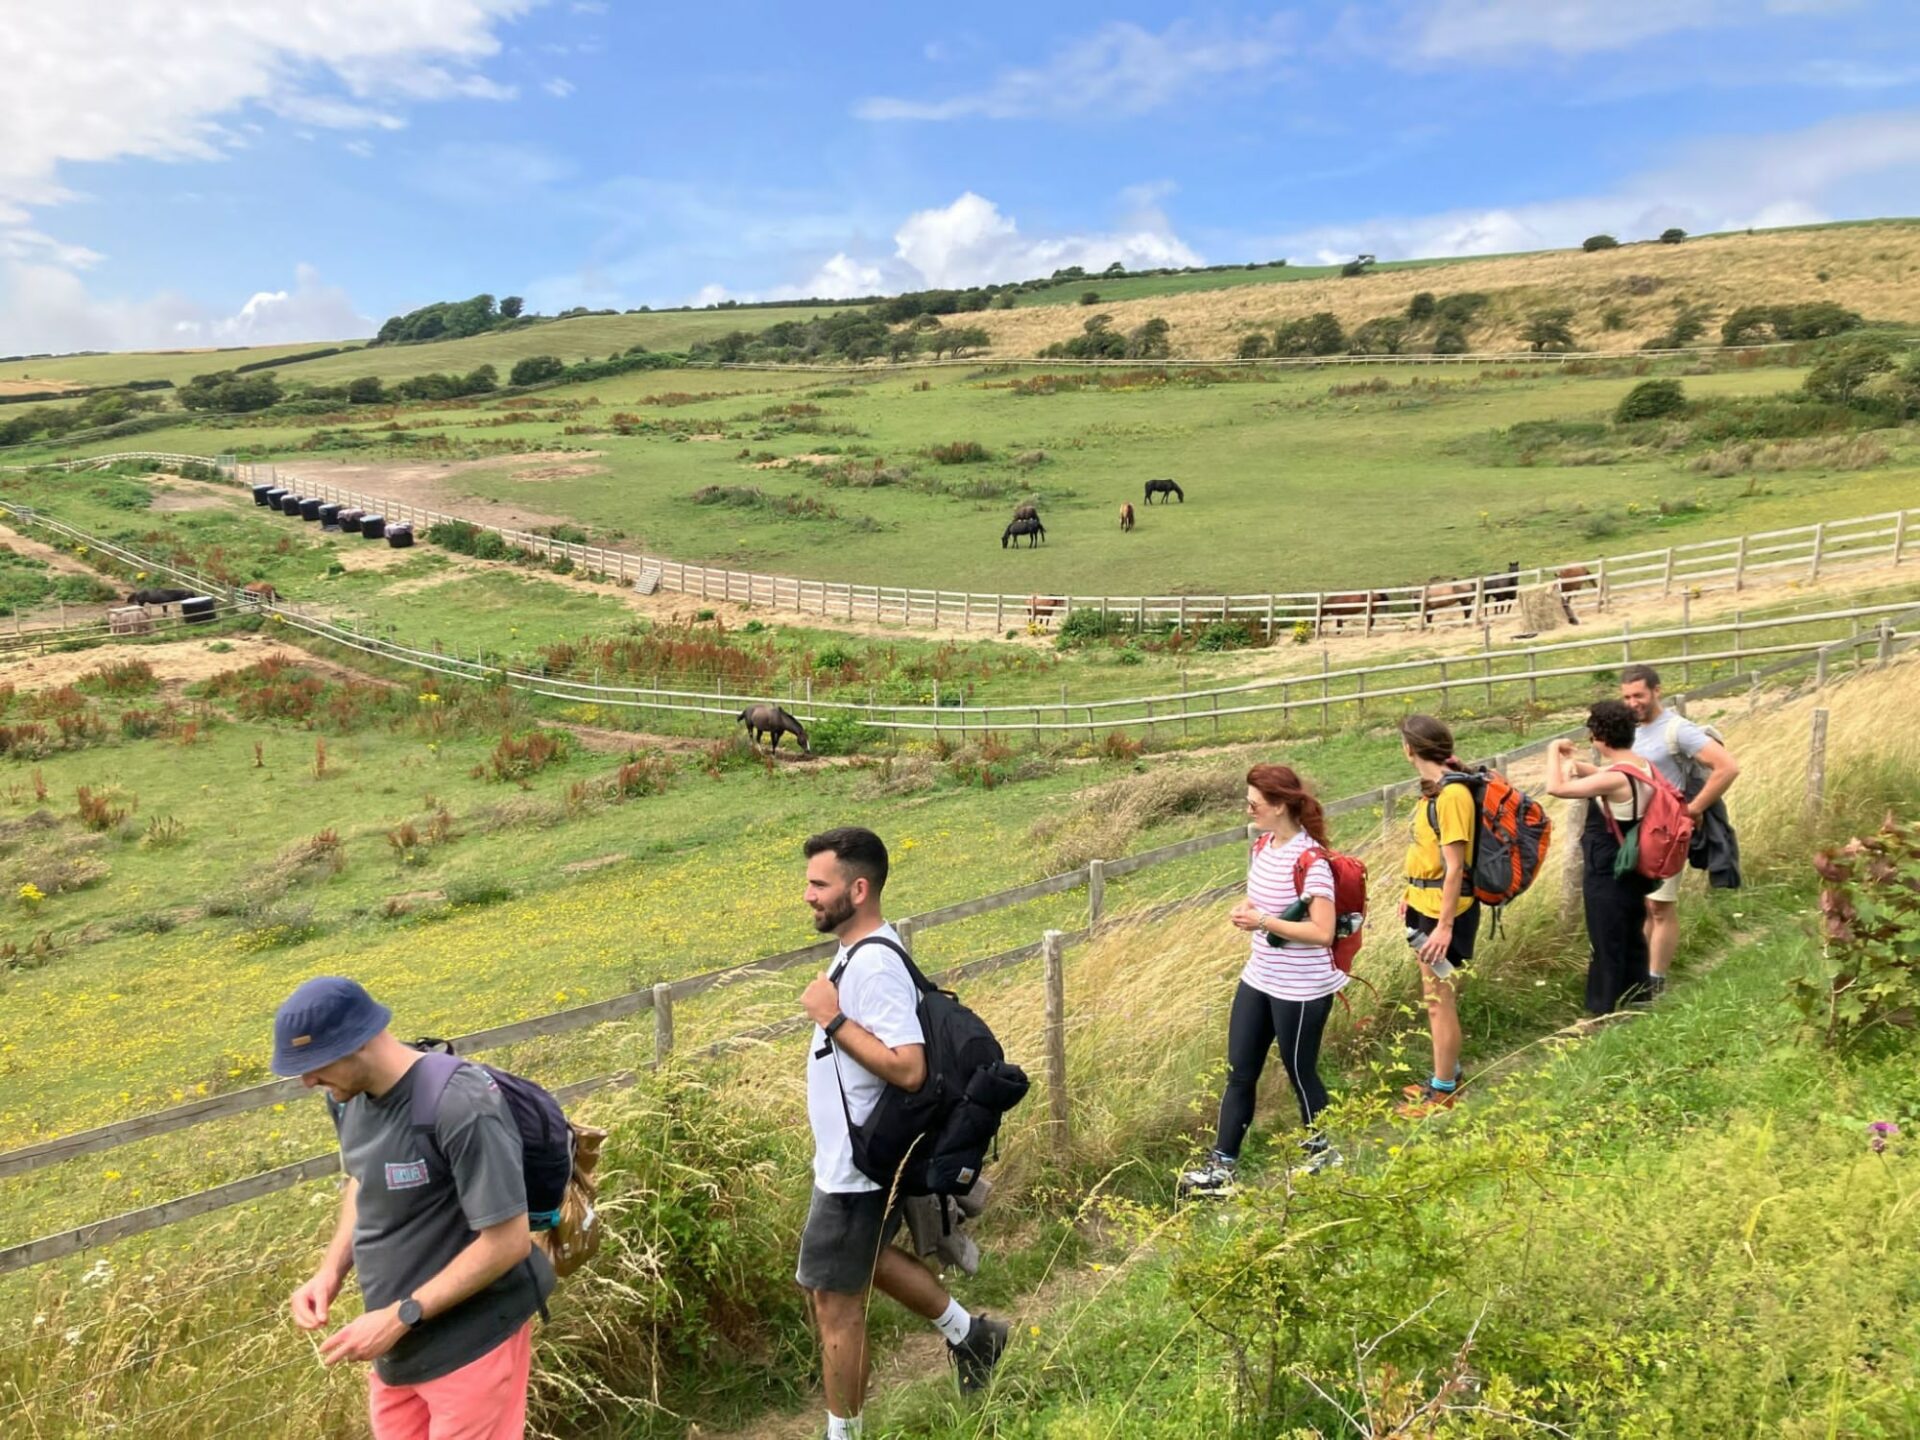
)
(1442, 967)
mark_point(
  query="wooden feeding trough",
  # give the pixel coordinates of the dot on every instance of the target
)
(400, 536)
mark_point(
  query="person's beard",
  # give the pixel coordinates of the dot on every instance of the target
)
(832, 915)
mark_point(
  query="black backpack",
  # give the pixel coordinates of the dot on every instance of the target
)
(934, 1140)
(546, 1136)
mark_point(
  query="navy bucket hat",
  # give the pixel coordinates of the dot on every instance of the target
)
(325, 1020)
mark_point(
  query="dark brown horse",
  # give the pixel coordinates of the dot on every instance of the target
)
(1028, 511)
(1164, 488)
(1032, 529)
(160, 597)
(1126, 515)
(773, 721)
(1356, 605)
(1042, 608)
(1568, 580)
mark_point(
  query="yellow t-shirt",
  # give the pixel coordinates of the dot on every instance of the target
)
(1455, 809)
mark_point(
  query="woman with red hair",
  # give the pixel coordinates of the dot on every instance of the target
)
(1287, 986)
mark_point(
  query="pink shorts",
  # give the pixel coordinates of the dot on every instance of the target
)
(485, 1399)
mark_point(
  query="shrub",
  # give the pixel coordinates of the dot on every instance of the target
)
(644, 774)
(1870, 914)
(1450, 340)
(1613, 318)
(1838, 378)
(1089, 297)
(1672, 235)
(1088, 627)
(1421, 307)
(959, 452)
(1651, 400)
(1549, 330)
(518, 758)
(839, 733)
(1223, 635)
(534, 369)
(1316, 334)
(1254, 346)
(1599, 242)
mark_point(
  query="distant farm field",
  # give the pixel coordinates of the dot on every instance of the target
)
(1294, 480)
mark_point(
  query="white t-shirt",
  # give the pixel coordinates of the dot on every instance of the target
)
(1650, 743)
(1288, 971)
(878, 995)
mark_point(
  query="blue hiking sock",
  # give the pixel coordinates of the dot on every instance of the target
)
(1444, 1086)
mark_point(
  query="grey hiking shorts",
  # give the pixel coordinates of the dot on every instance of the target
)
(842, 1241)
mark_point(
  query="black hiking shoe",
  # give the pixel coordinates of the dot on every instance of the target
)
(975, 1356)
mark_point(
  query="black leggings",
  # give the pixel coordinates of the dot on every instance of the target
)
(1256, 1023)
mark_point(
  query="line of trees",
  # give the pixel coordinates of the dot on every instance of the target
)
(451, 320)
(851, 335)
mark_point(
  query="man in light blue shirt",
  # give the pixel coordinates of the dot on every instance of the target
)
(1698, 766)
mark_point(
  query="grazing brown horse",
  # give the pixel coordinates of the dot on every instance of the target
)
(1042, 608)
(1443, 594)
(259, 592)
(1126, 515)
(773, 721)
(1357, 605)
(1028, 511)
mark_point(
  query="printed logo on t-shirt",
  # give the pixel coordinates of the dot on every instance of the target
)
(406, 1174)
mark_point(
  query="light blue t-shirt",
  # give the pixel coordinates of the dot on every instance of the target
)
(1670, 742)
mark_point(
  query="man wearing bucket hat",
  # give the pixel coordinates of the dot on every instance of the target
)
(434, 1219)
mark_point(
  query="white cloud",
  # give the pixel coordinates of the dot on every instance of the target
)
(1121, 69)
(971, 242)
(48, 307)
(1732, 183)
(1430, 32)
(559, 87)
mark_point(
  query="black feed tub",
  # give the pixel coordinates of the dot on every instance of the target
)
(260, 493)
(372, 527)
(290, 503)
(196, 609)
(309, 509)
(400, 536)
(329, 517)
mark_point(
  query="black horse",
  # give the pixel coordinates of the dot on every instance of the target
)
(1501, 589)
(773, 721)
(1165, 487)
(1031, 528)
(162, 598)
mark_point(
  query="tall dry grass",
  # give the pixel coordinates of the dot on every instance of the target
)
(186, 1336)
(1874, 269)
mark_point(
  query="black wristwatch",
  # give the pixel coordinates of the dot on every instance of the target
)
(834, 1024)
(410, 1312)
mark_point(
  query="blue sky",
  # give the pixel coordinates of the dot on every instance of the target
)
(243, 171)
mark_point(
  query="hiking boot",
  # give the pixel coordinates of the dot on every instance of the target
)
(1424, 1100)
(1318, 1157)
(975, 1356)
(1656, 987)
(1212, 1181)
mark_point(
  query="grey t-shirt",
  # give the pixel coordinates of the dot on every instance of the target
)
(1673, 760)
(421, 1201)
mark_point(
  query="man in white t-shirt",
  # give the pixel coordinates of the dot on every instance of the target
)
(1691, 760)
(866, 1037)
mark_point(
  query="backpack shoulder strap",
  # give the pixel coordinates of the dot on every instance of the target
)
(1303, 862)
(920, 981)
(430, 1075)
(1452, 777)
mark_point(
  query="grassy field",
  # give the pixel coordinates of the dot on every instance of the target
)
(1517, 1210)
(1402, 479)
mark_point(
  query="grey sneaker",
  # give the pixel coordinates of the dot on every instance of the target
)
(1317, 1158)
(975, 1356)
(1213, 1180)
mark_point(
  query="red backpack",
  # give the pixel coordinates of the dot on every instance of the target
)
(1349, 897)
(1664, 830)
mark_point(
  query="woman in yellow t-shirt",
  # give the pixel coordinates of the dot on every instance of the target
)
(1441, 916)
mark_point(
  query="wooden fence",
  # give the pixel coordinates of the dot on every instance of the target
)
(661, 998)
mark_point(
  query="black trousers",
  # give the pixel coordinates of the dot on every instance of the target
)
(1616, 927)
(1257, 1023)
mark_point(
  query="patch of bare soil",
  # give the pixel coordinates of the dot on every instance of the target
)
(37, 387)
(435, 485)
(559, 472)
(598, 862)
(784, 461)
(53, 557)
(190, 500)
(176, 664)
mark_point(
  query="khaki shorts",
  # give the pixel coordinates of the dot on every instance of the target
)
(1669, 890)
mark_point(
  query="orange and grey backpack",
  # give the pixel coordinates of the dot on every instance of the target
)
(1511, 835)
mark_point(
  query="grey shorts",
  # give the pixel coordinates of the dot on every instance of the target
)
(842, 1241)
(1669, 890)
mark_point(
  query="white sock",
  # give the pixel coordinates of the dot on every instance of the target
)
(844, 1429)
(955, 1323)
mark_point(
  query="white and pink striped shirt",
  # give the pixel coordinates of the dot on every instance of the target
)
(1288, 971)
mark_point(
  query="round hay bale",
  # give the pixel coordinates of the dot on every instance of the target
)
(1540, 609)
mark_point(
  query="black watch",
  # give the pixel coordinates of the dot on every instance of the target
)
(410, 1312)
(834, 1024)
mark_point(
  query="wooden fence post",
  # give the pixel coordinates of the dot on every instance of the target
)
(904, 929)
(662, 1022)
(1899, 535)
(1884, 651)
(1817, 767)
(1386, 812)
(1740, 566)
(1326, 711)
(1096, 891)
(1056, 979)
(1666, 581)
(1576, 814)
(1819, 545)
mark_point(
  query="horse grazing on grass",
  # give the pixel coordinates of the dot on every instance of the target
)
(1443, 594)
(773, 721)
(1126, 516)
(1032, 529)
(1041, 609)
(162, 598)
(1030, 510)
(1355, 605)
(1164, 488)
